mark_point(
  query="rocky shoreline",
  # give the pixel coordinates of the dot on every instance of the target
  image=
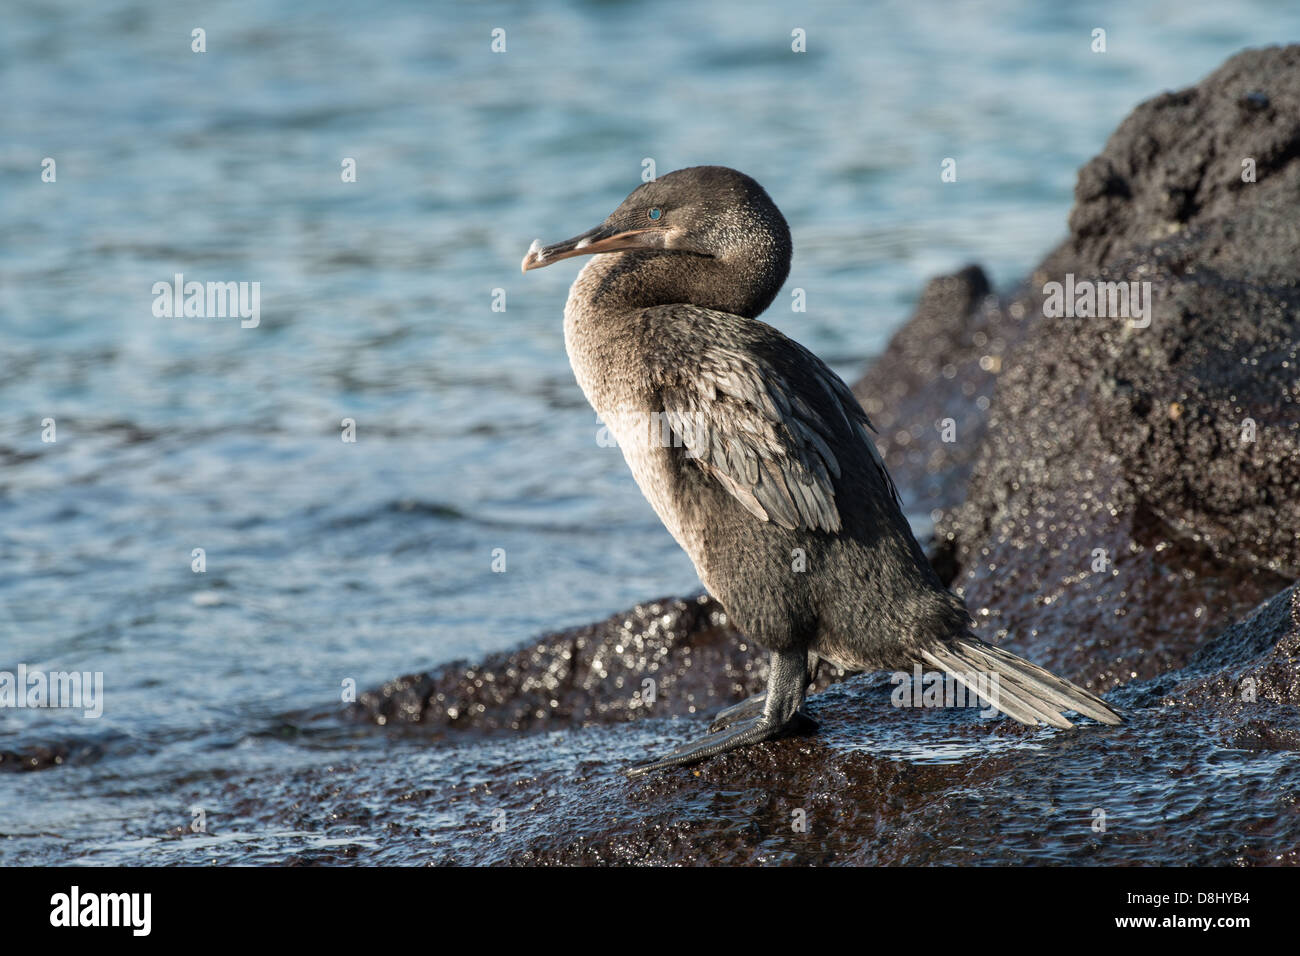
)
(1118, 503)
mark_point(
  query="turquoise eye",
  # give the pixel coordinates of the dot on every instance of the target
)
(656, 213)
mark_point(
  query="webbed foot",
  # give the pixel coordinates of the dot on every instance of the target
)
(760, 718)
(801, 723)
(750, 731)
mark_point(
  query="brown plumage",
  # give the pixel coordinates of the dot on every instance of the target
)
(756, 457)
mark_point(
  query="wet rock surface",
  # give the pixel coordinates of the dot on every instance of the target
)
(673, 657)
(1105, 509)
(1137, 488)
(1204, 772)
(937, 371)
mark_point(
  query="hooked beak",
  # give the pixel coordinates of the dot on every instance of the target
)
(603, 238)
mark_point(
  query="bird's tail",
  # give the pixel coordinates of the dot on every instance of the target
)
(1019, 689)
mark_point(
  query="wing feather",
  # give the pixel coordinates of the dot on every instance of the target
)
(759, 413)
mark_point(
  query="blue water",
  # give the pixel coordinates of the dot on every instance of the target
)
(329, 560)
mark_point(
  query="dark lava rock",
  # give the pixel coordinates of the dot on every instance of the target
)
(938, 372)
(1250, 677)
(1137, 488)
(60, 752)
(672, 657)
(1119, 503)
(1202, 773)
(36, 757)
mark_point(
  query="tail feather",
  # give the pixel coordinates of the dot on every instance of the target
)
(1010, 699)
(1024, 691)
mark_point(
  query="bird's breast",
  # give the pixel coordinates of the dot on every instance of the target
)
(610, 361)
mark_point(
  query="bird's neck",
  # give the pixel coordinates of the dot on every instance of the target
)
(624, 282)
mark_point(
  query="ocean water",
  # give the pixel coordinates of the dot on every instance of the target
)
(329, 560)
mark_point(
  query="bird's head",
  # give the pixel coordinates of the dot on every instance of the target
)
(707, 235)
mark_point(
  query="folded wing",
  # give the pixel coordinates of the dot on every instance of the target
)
(763, 416)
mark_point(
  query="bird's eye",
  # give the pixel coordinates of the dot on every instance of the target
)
(656, 212)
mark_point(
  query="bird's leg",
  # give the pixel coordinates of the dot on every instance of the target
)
(753, 706)
(805, 724)
(786, 684)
